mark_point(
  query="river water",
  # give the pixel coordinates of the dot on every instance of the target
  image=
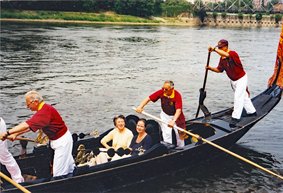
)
(92, 73)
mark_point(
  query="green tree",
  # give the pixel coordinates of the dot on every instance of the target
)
(199, 10)
(88, 5)
(172, 8)
(214, 15)
(240, 16)
(223, 15)
(157, 8)
(278, 18)
(139, 8)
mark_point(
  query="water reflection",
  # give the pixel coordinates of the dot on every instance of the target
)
(223, 174)
(91, 73)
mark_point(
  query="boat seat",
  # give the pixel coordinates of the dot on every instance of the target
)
(131, 123)
(202, 129)
(153, 129)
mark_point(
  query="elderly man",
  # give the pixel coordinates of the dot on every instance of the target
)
(49, 120)
(171, 111)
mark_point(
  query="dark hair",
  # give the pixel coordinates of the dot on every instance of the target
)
(143, 120)
(117, 117)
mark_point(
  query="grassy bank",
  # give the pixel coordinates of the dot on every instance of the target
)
(74, 16)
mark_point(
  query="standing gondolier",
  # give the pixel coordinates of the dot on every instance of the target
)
(231, 63)
(49, 120)
(7, 159)
(171, 111)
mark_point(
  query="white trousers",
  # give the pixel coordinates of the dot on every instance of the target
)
(167, 131)
(7, 159)
(241, 97)
(63, 162)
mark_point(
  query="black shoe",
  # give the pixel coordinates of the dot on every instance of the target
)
(252, 115)
(233, 122)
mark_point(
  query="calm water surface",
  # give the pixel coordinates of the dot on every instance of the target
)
(91, 73)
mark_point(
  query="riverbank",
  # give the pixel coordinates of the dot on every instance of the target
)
(61, 21)
(107, 18)
(79, 17)
(111, 18)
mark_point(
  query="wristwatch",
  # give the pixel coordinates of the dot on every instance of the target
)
(7, 134)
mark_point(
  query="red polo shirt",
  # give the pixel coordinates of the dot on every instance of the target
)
(232, 65)
(49, 120)
(169, 104)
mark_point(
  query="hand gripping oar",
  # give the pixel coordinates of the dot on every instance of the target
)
(216, 146)
(203, 93)
(23, 189)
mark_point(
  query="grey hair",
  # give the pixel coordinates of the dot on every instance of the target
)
(34, 95)
(170, 82)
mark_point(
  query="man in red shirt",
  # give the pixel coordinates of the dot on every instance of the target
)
(49, 120)
(231, 63)
(171, 111)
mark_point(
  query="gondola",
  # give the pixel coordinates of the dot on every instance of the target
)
(151, 164)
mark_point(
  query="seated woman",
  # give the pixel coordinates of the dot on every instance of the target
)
(121, 138)
(142, 141)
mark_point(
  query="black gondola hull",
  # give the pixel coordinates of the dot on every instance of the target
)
(160, 160)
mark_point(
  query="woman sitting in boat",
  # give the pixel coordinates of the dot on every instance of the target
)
(141, 142)
(120, 136)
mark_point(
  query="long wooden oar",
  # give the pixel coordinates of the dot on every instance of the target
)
(83, 135)
(217, 146)
(204, 82)
(23, 189)
(26, 139)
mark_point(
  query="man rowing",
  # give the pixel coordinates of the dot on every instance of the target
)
(49, 120)
(231, 63)
(171, 111)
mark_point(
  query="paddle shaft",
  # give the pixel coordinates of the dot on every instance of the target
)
(205, 78)
(93, 133)
(216, 146)
(23, 189)
(25, 139)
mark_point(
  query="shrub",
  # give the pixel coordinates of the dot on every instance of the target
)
(278, 18)
(258, 16)
(223, 15)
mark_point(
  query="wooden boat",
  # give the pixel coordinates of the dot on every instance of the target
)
(151, 164)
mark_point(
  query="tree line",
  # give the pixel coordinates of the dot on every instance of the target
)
(140, 8)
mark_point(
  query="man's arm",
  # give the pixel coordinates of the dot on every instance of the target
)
(15, 131)
(213, 69)
(176, 116)
(142, 105)
(221, 53)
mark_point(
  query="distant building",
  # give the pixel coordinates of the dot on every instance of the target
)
(258, 4)
(278, 8)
